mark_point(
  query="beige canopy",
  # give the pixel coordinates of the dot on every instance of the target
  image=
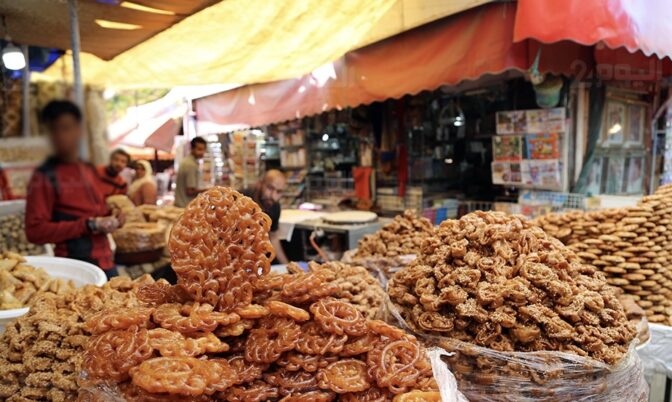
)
(249, 41)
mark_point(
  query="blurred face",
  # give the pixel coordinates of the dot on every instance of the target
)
(140, 171)
(118, 162)
(65, 134)
(273, 189)
(198, 151)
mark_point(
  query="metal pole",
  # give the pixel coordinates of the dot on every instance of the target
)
(76, 69)
(25, 94)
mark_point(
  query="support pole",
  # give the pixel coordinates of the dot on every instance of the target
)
(76, 69)
(25, 95)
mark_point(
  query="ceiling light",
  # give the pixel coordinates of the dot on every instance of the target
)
(117, 25)
(13, 58)
(140, 7)
(325, 137)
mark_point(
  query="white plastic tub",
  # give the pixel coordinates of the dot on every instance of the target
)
(81, 273)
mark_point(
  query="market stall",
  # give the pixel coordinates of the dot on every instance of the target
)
(463, 205)
(318, 333)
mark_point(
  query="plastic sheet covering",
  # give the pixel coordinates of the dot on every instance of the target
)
(487, 375)
(656, 355)
(444, 378)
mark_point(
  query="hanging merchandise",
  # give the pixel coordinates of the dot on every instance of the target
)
(533, 156)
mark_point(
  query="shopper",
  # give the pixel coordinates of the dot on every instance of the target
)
(111, 181)
(186, 184)
(267, 193)
(64, 203)
(142, 190)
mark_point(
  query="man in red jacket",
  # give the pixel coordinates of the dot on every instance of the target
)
(111, 181)
(64, 203)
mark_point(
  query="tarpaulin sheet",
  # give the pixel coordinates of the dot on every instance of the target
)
(457, 48)
(252, 41)
(633, 24)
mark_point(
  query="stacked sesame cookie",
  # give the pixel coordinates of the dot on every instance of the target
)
(632, 246)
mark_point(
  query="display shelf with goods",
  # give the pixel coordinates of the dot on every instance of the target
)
(19, 157)
(245, 150)
(271, 153)
(329, 191)
(529, 150)
(13, 230)
(292, 155)
(332, 149)
(218, 152)
(622, 158)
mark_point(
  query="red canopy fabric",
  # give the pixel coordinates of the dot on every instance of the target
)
(452, 50)
(164, 137)
(634, 24)
(458, 48)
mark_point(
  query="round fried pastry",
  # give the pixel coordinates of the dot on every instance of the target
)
(313, 340)
(289, 382)
(257, 391)
(192, 317)
(274, 337)
(183, 376)
(343, 376)
(281, 309)
(338, 317)
(114, 318)
(220, 246)
(111, 355)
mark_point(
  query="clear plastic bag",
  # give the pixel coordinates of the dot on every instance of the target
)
(487, 375)
(656, 354)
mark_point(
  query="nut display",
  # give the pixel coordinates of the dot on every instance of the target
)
(41, 352)
(13, 236)
(21, 284)
(137, 236)
(246, 334)
(403, 236)
(499, 282)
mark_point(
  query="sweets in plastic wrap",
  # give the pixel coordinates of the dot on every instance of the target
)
(490, 286)
(292, 340)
